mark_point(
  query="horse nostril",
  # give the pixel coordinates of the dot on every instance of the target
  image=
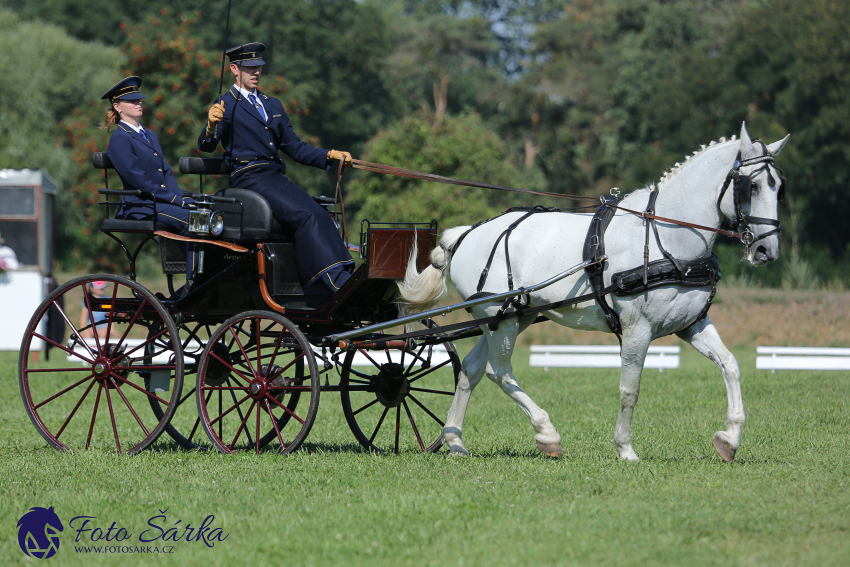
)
(761, 252)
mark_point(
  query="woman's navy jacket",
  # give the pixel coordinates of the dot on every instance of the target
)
(141, 165)
(247, 138)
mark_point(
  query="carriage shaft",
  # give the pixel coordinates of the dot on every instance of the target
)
(336, 339)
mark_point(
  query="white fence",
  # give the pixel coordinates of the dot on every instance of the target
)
(598, 356)
(802, 358)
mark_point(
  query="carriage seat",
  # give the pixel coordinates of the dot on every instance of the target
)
(100, 160)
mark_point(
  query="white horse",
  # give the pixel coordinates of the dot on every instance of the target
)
(546, 244)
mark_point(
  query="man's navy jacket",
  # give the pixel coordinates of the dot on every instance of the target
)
(247, 138)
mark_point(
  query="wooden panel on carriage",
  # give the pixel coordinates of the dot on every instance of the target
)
(388, 248)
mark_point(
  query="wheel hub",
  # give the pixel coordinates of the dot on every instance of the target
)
(258, 389)
(101, 369)
(392, 385)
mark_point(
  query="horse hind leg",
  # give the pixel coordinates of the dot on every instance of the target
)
(704, 337)
(471, 372)
(499, 370)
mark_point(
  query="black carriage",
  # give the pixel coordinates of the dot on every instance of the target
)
(243, 353)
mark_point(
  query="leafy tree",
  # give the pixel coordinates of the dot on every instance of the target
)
(458, 146)
(36, 96)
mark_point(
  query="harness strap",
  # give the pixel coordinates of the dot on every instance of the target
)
(594, 247)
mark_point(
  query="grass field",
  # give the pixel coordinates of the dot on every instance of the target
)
(784, 501)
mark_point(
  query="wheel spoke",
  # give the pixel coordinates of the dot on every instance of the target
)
(216, 356)
(142, 390)
(75, 369)
(443, 392)
(244, 418)
(145, 343)
(73, 411)
(397, 426)
(186, 397)
(413, 425)
(377, 427)
(286, 409)
(372, 360)
(426, 371)
(129, 406)
(100, 351)
(373, 402)
(257, 432)
(68, 389)
(242, 425)
(274, 351)
(274, 424)
(111, 311)
(285, 368)
(230, 409)
(76, 332)
(94, 413)
(62, 347)
(417, 356)
(112, 417)
(130, 324)
(244, 354)
(258, 373)
(426, 410)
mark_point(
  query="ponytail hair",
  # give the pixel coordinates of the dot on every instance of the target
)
(111, 118)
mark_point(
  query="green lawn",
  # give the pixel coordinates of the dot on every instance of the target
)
(784, 501)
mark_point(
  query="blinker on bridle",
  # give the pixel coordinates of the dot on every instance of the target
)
(742, 191)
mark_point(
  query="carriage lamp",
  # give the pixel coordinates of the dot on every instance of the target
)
(216, 223)
(203, 220)
(199, 221)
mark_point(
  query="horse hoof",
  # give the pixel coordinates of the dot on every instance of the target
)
(550, 449)
(458, 452)
(724, 449)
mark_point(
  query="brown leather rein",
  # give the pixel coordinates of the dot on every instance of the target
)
(389, 170)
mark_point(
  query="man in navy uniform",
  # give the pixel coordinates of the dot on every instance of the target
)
(252, 127)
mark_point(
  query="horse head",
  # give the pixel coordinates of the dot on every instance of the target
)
(752, 205)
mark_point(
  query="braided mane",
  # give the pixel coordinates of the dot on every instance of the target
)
(678, 166)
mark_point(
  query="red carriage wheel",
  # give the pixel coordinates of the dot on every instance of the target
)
(395, 400)
(257, 384)
(95, 389)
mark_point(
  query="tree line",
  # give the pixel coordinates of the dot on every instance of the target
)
(567, 97)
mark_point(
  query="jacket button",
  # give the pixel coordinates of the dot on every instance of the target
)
(155, 154)
(160, 170)
(267, 127)
(271, 143)
(163, 186)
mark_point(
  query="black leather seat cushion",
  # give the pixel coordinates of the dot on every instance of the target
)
(258, 223)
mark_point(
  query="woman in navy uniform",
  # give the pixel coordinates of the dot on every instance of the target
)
(136, 155)
(252, 127)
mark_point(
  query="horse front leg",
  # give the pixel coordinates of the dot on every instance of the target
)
(471, 372)
(632, 355)
(704, 337)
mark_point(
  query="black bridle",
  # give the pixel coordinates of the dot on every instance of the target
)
(742, 191)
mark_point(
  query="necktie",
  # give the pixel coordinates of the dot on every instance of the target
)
(145, 136)
(260, 109)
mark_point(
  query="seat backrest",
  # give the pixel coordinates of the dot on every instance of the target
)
(202, 166)
(101, 161)
(257, 222)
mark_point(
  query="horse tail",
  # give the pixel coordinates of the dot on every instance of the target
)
(419, 291)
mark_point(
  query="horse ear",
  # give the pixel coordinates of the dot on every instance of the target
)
(776, 147)
(746, 144)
